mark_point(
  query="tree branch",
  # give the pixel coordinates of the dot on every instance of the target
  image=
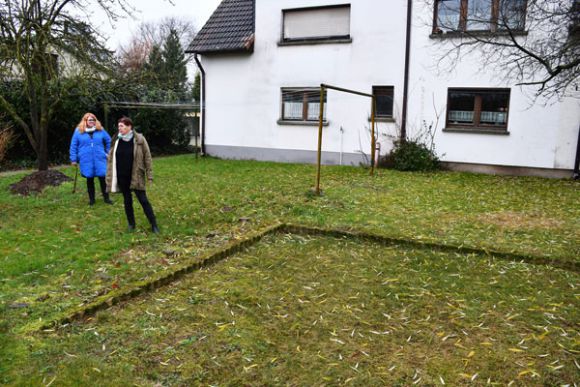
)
(14, 115)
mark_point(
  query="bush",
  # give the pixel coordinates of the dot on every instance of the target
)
(6, 139)
(411, 156)
(165, 129)
(73, 103)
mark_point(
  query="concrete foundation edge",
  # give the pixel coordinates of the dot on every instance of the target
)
(356, 159)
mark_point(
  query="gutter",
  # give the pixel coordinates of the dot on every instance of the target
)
(202, 125)
(403, 135)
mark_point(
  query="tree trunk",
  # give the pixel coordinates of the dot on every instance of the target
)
(42, 153)
(43, 132)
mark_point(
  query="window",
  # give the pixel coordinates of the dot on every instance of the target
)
(301, 104)
(479, 15)
(478, 108)
(317, 23)
(384, 101)
(574, 28)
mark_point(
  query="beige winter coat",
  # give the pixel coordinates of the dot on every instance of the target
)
(142, 165)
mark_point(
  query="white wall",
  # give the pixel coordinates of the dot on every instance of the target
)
(243, 91)
(246, 88)
(541, 133)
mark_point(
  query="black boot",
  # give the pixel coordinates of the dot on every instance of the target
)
(104, 190)
(91, 190)
(107, 198)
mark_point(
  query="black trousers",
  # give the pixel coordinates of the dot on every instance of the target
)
(91, 188)
(125, 187)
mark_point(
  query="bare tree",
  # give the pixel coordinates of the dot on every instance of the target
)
(134, 55)
(531, 42)
(36, 37)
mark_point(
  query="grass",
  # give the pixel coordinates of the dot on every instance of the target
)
(57, 253)
(310, 311)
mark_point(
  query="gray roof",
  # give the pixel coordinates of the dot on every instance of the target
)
(229, 29)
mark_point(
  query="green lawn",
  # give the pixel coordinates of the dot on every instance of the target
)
(58, 253)
(310, 311)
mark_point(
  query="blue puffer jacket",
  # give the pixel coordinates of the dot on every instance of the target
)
(90, 152)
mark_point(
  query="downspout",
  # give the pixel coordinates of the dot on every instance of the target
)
(202, 92)
(403, 137)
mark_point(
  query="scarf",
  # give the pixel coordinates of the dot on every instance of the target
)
(114, 181)
(90, 130)
(126, 137)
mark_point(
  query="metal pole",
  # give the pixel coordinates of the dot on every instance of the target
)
(203, 111)
(341, 144)
(346, 90)
(373, 144)
(576, 173)
(196, 134)
(319, 155)
(403, 134)
(76, 175)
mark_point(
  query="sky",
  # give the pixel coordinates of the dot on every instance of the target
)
(198, 11)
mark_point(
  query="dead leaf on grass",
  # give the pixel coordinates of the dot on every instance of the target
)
(518, 220)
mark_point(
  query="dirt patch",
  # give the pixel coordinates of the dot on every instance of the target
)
(36, 182)
(515, 220)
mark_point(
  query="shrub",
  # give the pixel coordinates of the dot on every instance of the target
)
(6, 139)
(411, 155)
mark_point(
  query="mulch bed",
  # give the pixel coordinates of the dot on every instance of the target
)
(35, 182)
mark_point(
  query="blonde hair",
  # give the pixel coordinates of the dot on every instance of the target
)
(83, 124)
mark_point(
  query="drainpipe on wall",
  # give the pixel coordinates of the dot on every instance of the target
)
(202, 92)
(403, 137)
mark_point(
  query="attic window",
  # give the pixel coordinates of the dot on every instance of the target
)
(316, 24)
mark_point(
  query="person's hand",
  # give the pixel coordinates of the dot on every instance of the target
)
(150, 181)
(74, 164)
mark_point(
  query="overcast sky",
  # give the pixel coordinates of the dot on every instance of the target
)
(198, 11)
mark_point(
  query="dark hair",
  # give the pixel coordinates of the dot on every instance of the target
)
(126, 121)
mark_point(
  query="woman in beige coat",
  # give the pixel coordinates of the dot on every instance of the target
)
(128, 167)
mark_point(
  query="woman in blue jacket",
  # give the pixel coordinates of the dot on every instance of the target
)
(89, 147)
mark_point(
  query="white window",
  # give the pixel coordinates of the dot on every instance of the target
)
(318, 23)
(479, 15)
(301, 104)
(478, 108)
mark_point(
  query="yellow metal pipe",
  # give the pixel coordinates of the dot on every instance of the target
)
(319, 156)
(373, 144)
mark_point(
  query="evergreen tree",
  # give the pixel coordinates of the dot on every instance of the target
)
(175, 71)
(154, 69)
(196, 91)
(165, 80)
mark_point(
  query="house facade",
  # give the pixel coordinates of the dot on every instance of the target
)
(263, 63)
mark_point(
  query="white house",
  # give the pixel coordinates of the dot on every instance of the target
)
(263, 62)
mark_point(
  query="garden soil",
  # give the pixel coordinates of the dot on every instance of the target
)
(35, 182)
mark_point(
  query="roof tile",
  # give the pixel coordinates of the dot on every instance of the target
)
(230, 28)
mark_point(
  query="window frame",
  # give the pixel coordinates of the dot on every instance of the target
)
(390, 88)
(314, 40)
(477, 126)
(463, 19)
(305, 93)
